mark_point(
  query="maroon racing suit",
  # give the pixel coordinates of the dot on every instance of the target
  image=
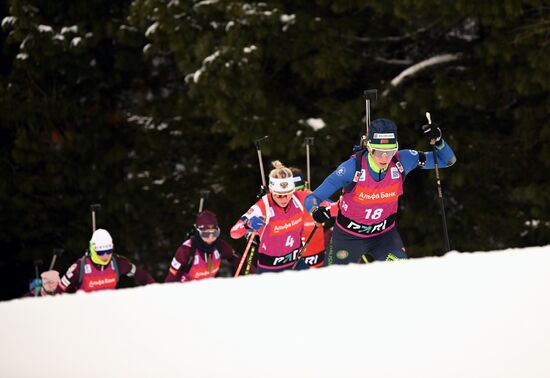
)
(206, 260)
(93, 277)
(32, 294)
(41, 293)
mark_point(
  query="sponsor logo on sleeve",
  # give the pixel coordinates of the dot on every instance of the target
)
(341, 171)
(175, 264)
(70, 272)
(394, 173)
(132, 271)
(65, 282)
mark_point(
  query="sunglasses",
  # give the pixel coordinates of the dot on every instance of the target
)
(105, 252)
(281, 196)
(381, 153)
(209, 233)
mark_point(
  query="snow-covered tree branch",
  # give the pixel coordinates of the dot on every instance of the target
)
(421, 66)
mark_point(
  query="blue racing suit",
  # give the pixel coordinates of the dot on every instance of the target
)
(348, 247)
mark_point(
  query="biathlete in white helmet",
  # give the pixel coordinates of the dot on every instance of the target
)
(372, 182)
(200, 256)
(278, 218)
(100, 269)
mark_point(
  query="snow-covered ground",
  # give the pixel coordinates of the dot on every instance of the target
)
(462, 315)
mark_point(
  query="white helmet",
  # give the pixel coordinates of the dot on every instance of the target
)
(101, 240)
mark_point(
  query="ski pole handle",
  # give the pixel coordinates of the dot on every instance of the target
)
(94, 208)
(259, 150)
(429, 117)
(56, 252)
(204, 197)
(308, 142)
(369, 95)
(432, 141)
(37, 264)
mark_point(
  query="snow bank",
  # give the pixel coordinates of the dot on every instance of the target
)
(463, 315)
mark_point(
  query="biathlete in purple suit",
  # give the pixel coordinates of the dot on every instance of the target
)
(200, 256)
(372, 182)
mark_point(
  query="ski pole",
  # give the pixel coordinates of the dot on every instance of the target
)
(204, 197)
(57, 252)
(439, 190)
(369, 95)
(36, 269)
(257, 142)
(37, 280)
(250, 259)
(94, 208)
(263, 191)
(308, 142)
(250, 240)
(301, 251)
(202, 200)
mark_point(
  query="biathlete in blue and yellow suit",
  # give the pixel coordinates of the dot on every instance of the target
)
(372, 181)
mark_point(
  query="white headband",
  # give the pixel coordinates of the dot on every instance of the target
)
(281, 185)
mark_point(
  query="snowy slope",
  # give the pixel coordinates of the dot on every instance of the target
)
(462, 315)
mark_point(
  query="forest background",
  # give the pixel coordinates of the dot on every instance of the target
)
(139, 105)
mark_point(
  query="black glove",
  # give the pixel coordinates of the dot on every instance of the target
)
(432, 132)
(320, 214)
